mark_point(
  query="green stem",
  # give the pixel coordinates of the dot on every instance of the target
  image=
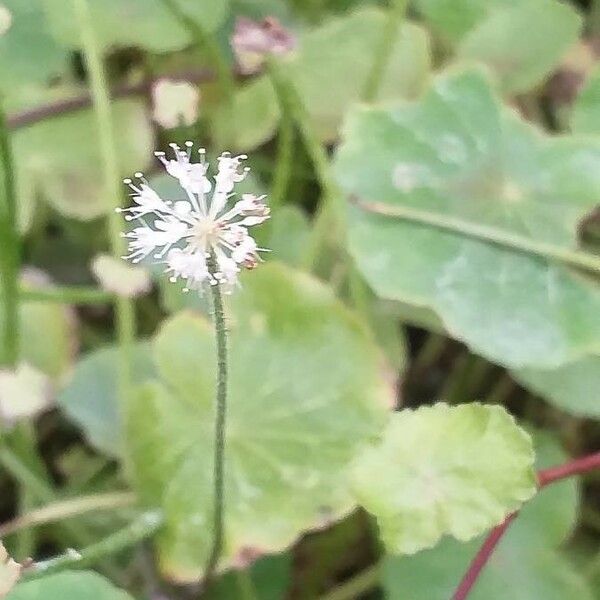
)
(20, 461)
(220, 423)
(205, 42)
(125, 316)
(357, 586)
(66, 295)
(383, 52)
(283, 166)
(9, 246)
(64, 509)
(22, 441)
(140, 529)
(291, 105)
(574, 258)
(17, 459)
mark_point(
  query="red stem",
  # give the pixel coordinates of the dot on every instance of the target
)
(545, 477)
(84, 100)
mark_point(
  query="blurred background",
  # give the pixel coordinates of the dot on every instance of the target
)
(275, 79)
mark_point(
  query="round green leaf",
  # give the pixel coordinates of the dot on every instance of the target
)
(524, 566)
(344, 45)
(27, 51)
(91, 396)
(444, 470)
(256, 116)
(515, 572)
(573, 387)
(522, 43)
(69, 585)
(459, 159)
(144, 23)
(58, 159)
(306, 393)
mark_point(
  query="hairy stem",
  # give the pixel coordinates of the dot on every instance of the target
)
(9, 246)
(545, 477)
(384, 50)
(574, 258)
(220, 422)
(100, 95)
(140, 529)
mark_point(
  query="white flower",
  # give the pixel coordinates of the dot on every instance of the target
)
(185, 232)
(175, 103)
(120, 278)
(24, 392)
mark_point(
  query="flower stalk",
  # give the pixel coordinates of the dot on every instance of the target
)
(384, 50)
(138, 530)
(205, 241)
(101, 100)
(327, 217)
(220, 422)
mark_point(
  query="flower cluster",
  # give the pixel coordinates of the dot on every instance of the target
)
(204, 227)
(253, 41)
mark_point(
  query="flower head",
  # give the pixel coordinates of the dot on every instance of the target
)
(204, 225)
(253, 41)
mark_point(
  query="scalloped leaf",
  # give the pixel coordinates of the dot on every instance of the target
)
(144, 23)
(525, 565)
(58, 159)
(69, 585)
(305, 395)
(460, 160)
(443, 470)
